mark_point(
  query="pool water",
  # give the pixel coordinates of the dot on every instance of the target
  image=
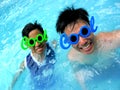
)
(14, 14)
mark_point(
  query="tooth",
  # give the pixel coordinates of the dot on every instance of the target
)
(86, 46)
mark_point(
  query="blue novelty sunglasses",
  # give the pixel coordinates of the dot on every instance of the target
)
(84, 32)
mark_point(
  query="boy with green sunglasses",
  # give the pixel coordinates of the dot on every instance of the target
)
(42, 57)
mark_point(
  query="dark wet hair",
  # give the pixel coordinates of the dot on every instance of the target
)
(70, 15)
(30, 26)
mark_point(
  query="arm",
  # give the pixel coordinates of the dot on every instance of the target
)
(116, 38)
(22, 67)
(54, 44)
(112, 39)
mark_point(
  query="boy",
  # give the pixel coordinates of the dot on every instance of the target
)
(89, 55)
(41, 60)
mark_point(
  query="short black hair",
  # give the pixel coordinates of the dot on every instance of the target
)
(31, 26)
(70, 15)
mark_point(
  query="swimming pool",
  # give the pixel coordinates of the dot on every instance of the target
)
(15, 14)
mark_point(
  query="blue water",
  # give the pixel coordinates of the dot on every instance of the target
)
(14, 14)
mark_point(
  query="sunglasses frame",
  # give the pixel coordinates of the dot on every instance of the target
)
(25, 42)
(67, 38)
(35, 40)
(79, 34)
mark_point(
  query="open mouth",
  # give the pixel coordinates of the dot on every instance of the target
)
(87, 47)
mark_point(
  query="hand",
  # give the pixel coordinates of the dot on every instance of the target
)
(54, 43)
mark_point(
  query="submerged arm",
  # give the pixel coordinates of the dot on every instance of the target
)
(17, 75)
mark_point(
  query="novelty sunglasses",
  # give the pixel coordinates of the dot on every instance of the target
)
(85, 31)
(30, 42)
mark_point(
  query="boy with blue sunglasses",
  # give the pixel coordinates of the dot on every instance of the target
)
(88, 50)
(41, 59)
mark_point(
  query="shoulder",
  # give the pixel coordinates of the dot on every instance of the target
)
(73, 55)
(50, 52)
(50, 49)
(70, 55)
(27, 60)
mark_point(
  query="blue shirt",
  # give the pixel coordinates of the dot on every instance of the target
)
(42, 74)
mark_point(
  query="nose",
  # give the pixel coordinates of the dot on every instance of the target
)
(82, 41)
(37, 44)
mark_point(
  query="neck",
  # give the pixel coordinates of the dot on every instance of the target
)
(39, 57)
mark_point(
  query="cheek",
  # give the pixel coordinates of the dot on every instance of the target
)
(92, 35)
(75, 46)
(32, 48)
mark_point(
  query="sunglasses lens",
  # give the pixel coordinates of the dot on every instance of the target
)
(31, 42)
(73, 38)
(39, 38)
(84, 31)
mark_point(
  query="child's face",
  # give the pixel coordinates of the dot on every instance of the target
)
(85, 45)
(39, 47)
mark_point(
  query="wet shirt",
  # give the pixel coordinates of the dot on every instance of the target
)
(42, 73)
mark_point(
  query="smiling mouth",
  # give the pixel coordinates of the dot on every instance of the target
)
(87, 46)
(40, 47)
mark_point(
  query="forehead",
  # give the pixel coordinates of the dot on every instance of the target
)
(74, 27)
(34, 32)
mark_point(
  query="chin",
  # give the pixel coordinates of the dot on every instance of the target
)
(39, 52)
(88, 52)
